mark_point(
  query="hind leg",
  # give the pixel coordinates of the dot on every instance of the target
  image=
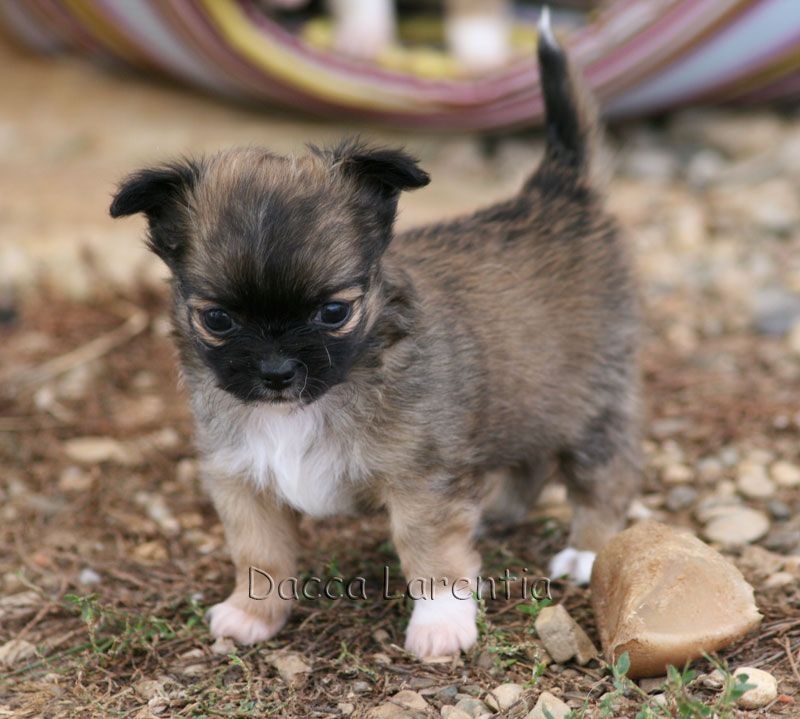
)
(602, 471)
(515, 493)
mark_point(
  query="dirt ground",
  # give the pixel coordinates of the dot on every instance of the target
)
(111, 553)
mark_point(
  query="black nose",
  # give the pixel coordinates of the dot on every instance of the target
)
(277, 374)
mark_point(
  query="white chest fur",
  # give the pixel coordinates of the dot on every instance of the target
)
(296, 454)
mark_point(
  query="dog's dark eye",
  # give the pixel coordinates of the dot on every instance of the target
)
(217, 321)
(332, 314)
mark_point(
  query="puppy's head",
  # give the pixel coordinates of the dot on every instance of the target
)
(275, 260)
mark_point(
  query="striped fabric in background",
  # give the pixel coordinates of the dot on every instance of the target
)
(639, 56)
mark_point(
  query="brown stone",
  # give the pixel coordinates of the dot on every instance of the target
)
(665, 597)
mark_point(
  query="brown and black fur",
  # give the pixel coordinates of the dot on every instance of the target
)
(502, 340)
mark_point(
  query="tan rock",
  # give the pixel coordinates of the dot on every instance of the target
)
(15, 651)
(451, 712)
(779, 579)
(94, 450)
(504, 696)
(562, 637)
(677, 474)
(556, 708)
(291, 667)
(410, 699)
(390, 710)
(666, 598)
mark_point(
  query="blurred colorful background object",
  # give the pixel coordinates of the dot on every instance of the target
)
(640, 57)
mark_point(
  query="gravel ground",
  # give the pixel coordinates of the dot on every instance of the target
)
(110, 553)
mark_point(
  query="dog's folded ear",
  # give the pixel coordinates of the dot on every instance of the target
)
(379, 173)
(385, 171)
(158, 193)
(388, 171)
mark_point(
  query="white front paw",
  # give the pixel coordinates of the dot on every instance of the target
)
(442, 626)
(226, 619)
(574, 564)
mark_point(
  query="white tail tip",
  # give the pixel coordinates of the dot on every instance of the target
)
(545, 29)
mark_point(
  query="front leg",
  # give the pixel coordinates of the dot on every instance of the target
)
(433, 534)
(261, 534)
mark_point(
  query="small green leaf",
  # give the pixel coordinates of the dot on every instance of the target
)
(623, 665)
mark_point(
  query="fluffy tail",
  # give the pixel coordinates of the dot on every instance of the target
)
(570, 112)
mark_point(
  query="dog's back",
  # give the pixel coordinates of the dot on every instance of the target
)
(543, 284)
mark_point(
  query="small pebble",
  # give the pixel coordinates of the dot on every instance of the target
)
(638, 511)
(651, 685)
(677, 474)
(446, 694)
(94, 450)
(411, 700)
(451, 712)
(779, 579)
(779, 510)
(292, 668)
(390, 710)
(472, 707)
(729, 456)
(741, 525)
(562, 637)
(89, 577)
(15, 651)
(74, 479)
(556, 708)
(680, 497)
(223, 646)
(785, 474)
(504, 696)
(713, 680)
(753, 482)
(380, 636)
(764, 692)
(710, 469)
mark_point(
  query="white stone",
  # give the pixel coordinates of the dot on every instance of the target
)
(752, 481)
(556, 708)
(638, 511)
(89, 577)
(504, 696)
(764, 692)
(741, 525)
(785, 474)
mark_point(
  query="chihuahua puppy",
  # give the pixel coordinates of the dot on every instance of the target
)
(333, 365)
